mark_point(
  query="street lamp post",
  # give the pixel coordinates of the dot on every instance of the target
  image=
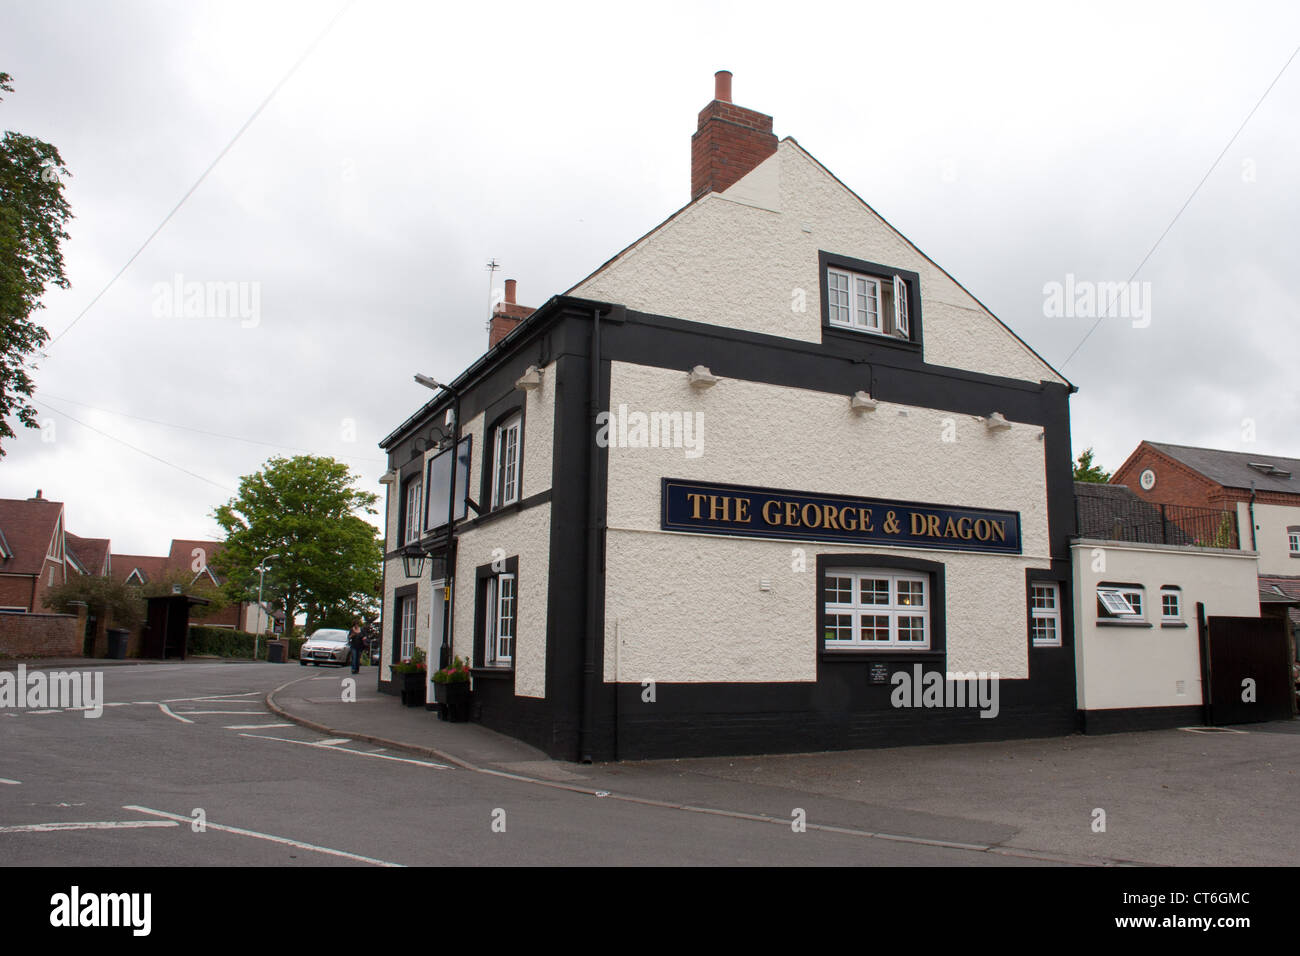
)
(261, 608)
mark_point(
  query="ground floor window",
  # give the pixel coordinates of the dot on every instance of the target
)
(499, 635)
(1045, 614)
(876, 608)
(406, 628)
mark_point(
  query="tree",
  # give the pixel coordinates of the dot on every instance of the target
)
(304, 510)
(115, 602)
(1085, 470)
(33, 213)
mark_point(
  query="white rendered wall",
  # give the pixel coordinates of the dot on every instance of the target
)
(1118, 667)
(687, 607)
(1271, 536)
(741, 258)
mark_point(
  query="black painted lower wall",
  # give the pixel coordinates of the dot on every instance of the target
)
(1127, 719)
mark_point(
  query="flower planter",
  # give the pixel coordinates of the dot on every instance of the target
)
(453, 699)
(412, 687)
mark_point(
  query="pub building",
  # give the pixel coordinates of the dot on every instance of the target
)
(729, 490)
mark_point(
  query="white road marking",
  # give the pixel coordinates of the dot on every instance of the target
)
(182, 700)
(168, 711)
(96, 825)
(334, 741)
(245, 713)
(358, 753)
(265, 836)
(11, 782)
(254, 726)
(58, 711)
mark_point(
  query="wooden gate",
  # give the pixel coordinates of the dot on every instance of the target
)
(1249, 673)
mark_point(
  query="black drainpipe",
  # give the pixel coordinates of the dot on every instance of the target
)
(594, 594)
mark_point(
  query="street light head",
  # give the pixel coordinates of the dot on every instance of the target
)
(428, 382)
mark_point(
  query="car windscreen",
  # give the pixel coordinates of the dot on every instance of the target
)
(329, 635)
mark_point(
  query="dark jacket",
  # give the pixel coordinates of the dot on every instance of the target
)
(357, 640)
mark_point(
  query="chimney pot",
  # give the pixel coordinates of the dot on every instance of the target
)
(510, 291)
(722, 86)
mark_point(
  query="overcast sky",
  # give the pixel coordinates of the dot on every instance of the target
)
(1014, 144)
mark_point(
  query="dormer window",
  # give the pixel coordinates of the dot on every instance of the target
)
(866, 297)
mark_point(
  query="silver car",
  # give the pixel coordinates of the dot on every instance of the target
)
(326, 646)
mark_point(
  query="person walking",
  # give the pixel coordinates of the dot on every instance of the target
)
(356, 642)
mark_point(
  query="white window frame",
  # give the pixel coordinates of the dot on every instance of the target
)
(1177, 595)
(894, 610)
(902, 316)
(1049, 614)
(1293, 542)
(1113, 600)
(412, 530)
(406, 628)
(502, 620)
(507, 445)
(858, 317)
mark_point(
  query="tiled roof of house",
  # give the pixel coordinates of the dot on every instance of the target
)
(1115, 513)
(1233, 469)
(28, 527)
(181, 558)
(152, 567)
(92, 553)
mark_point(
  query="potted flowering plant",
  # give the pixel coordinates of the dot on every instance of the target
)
(411, 677)
(451, 691)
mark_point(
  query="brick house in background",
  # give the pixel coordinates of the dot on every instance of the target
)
(33, 556)
(1262, 490)
(192, 558)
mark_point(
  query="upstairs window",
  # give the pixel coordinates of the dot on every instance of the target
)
(505, 449)
(868, 303)
(1293, 541)
(411, 513)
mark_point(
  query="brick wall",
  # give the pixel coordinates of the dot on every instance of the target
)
(1176, 484)
(16, 591)
(40, 635)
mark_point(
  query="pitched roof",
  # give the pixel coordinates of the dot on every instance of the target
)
(27, 526)
(90, 553)
(1232, 469)
(183, 555)
(181, 558)
(152, 567)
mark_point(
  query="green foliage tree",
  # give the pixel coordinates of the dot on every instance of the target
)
(1085, 470)
(33, 214)
(118, 603)
(303, 509)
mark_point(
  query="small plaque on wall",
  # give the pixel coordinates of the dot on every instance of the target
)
(879, 673)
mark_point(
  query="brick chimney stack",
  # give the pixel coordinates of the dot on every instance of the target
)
(729, 142)
(507, 315)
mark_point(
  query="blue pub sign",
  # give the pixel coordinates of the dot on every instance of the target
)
(711, 508)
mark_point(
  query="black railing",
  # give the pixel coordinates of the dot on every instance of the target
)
(1146, 523)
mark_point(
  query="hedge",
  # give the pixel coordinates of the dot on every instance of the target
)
(225, 642)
